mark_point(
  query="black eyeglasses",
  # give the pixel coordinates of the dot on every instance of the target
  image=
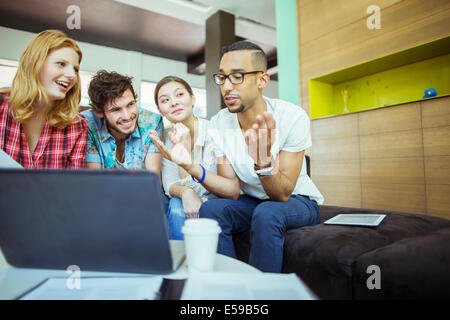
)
(235, 77)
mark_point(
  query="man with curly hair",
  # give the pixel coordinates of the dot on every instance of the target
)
(118, 129)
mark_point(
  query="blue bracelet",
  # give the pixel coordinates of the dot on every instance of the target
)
(203, 176)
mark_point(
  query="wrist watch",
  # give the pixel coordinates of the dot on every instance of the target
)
(263, 171)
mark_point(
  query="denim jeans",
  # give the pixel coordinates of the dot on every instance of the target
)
(267, 221)
(164, 201)
(175, 218)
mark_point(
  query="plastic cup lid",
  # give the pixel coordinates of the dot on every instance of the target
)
(200, 226)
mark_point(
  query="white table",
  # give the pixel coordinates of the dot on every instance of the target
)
(16, 281)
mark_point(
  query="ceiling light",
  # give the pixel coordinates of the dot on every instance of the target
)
(9, 63)
(253, 23)
(193, 5)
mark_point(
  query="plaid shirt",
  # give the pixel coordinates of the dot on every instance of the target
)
(57, 148)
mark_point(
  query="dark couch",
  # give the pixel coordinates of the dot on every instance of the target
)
(412, 252)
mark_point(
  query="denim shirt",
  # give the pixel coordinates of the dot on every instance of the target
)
(102, 145)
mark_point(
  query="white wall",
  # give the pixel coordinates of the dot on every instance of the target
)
(141, 67)
(271, 90)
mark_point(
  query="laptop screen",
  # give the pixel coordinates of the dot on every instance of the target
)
(106, 220)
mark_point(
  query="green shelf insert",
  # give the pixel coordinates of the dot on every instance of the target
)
(398, 78)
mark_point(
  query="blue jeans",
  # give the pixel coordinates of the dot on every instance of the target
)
(267, 221)
(164, 201)
(175, 218)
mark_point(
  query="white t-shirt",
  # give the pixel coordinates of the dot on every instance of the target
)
(293, 135)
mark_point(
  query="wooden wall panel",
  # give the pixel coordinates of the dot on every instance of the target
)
(346, 148)
(337, 174)
(340, 13)
(383, 152)
(404, 24)
(401, 118)
(335, 127)
(437, 170)
(436, 141)
(392, 167)
(397, 197)
(401, 152)
(438, 200)
(393, 170)
(436, 112)
(382, 127)
(333, 34)
(345, 194)
(392, 145)
(337, 171)
(342, 51)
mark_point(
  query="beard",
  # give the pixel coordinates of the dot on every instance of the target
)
(238, 109)
(117, 133)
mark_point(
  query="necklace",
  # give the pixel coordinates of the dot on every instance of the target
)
(123, 158)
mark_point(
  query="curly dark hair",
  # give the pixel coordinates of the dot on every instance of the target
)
(107, 86)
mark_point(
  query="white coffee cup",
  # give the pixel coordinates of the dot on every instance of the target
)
(201, 236)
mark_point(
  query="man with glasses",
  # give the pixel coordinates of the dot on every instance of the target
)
(260, 145)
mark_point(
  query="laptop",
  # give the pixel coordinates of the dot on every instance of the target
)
(98, 220)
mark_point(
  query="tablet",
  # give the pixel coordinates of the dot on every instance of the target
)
(370, 220)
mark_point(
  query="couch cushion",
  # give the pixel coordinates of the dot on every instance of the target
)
(412, 268)
(323, 255)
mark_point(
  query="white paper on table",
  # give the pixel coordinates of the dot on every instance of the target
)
(97, 288)
(240, 286)
(8, 162)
